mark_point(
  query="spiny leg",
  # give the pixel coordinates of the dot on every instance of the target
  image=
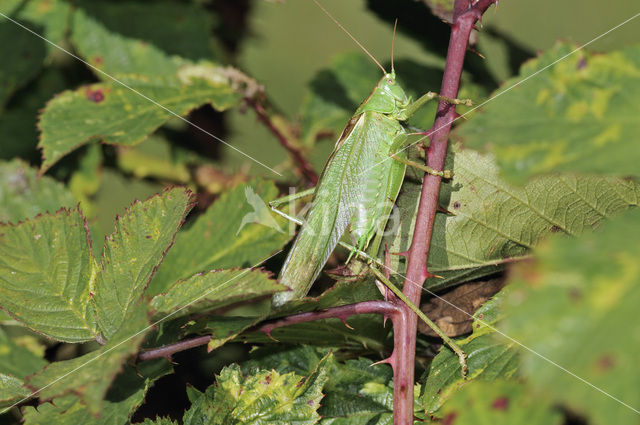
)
(286, 199)
(412, 108)
(447, 174)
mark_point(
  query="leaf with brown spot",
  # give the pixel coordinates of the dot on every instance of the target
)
(499, 403)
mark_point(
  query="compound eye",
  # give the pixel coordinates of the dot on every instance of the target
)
(390, 81)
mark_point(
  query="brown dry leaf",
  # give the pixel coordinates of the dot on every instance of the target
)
(452, 311)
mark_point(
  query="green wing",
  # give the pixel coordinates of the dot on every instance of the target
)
(336, 198)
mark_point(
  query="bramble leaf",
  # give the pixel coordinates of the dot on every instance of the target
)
(16, 362)
(357, 392)
(265, 397)
(121, 401)
(238, 230)
(23, 195)
(489, 221)
(119, 115)
(16, 359)
(214, 290)
(578, 115)
(11, 390)
(582, 295)
(132, 253)
(91, 375)
(46, 266)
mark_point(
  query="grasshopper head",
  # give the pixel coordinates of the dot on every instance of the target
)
(387, 97)
(391, 88)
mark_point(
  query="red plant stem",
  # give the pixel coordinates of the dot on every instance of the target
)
(302, 164)
(342, 313)
(168, 350)
(464, 18)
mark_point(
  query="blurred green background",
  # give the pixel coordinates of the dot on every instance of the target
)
(291, 41)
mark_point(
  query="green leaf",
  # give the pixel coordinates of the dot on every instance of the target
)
(11, 390)
(490, 222)
(578, 115)
(116, 114)
(176, 28)
(122, 400)
(357, 392)
(115, 54)
(24, 195)
(132, 253)
(500, 403)
(264, 397)
(47, 266)
(90, 376)
(214, 290)
(301, 359)
(489, 357)
(156, 159)
(226, 236)
(223, 329)
(576, 304)
(16, 359)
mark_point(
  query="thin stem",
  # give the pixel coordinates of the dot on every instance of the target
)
(302, 164)
(464, 18)
(167, 351)
(342, 313)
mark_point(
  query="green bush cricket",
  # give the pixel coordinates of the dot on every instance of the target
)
(358, 187)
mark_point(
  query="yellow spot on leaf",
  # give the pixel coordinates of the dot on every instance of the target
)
(610, 134)
(600, 102)
(543, 95)
(556, 155)
(577, 110)
(609, 290)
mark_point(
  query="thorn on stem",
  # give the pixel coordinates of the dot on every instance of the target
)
(268, 332)
(388, 360)
(344, 321)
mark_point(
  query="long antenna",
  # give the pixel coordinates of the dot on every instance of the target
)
(393, 43)
(349, 34)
